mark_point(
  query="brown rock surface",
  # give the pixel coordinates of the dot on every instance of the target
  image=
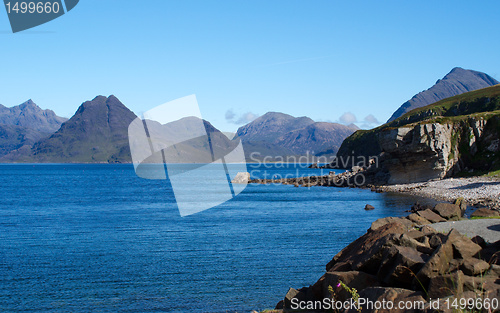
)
(438, 264)
(448, 211)
(417, 219)
(388, 220)
(446, 285)
(360, 246)
(392, 295)
(463, 247)
(353, 279)
(483, 212)
(473, 266)
(399, 266)
(431, 216)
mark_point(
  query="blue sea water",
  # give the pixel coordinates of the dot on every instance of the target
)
(97, 238)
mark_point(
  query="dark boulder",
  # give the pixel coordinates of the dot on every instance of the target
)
(438, 264)
(463, 247)
(473, 266)
(353, 279)
(395, 296)
(358, 248)
(399, 265)
(446, 285)
(448, 211)
(483, 212)
(431, 216)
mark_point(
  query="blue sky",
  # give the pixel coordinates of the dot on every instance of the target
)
(315, 58)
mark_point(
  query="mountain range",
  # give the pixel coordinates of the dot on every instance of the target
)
(29, 115)
(278, 134)
(24, 125)
(98, 133)
(456, 82)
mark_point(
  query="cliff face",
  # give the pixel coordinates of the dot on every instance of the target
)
(456, 135)
(434, 151)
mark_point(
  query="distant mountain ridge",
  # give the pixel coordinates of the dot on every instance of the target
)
(97, 133)
(29, 115)
(271, 126)
(24, 125)
(316, 137)
(456, 82)
(278, 134)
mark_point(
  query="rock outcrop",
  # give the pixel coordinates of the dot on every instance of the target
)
(456, 135)
(241, 178)
(435, 151)
(400, 260)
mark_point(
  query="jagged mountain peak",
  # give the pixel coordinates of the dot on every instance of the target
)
(29, 115)
(98, 132)
(29, 104)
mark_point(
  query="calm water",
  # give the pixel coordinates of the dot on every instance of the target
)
(80, 238)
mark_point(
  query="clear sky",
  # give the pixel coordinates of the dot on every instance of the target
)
(245, 58)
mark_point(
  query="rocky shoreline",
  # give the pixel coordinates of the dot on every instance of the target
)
(476, 191)
(406, 260)
(480, 192)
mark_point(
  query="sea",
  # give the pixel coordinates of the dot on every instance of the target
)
(98, 238)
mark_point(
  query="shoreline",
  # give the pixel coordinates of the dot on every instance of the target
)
(477, 191)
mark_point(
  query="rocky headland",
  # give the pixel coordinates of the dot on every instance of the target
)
(458, 136)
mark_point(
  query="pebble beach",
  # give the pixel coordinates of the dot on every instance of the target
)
(476, 191)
